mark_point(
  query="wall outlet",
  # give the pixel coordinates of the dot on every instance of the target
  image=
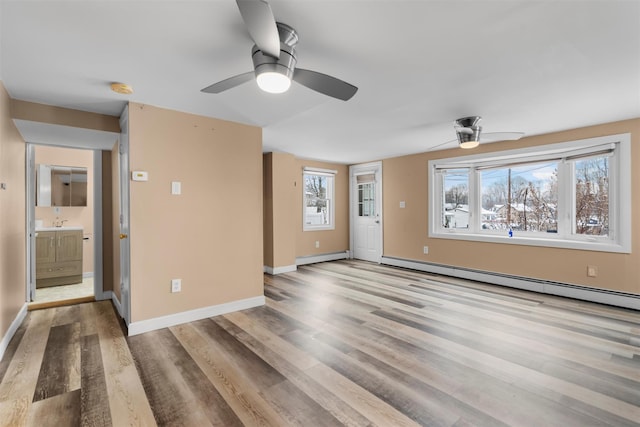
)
(176, 285)
(317, 243)
(592, 271)
(426, 250)
(403, 204)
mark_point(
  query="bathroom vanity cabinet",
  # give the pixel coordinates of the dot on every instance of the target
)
(58, 257)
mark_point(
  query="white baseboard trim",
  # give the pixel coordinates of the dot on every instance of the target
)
(12, 330)
(116, 303)
(602, 296)
(311, 259)
(142, 326)
(103, 296)
(279, 270)
(87, 274)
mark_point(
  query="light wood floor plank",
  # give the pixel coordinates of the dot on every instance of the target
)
(241, 395)
(341, 343)
(59, 410)
(128, 403)
(19, 383)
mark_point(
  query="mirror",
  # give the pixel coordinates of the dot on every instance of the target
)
(61, 185)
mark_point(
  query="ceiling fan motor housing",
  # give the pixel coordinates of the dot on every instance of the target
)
(468, 131)
(286, 64)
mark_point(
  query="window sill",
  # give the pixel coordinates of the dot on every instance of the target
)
(321, 228)
(599, 246)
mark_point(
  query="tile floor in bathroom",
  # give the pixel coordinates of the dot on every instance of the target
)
(63, 292)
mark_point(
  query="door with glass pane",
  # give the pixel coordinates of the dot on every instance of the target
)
(366, 218)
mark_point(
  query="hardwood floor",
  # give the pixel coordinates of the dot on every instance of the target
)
(340, 343)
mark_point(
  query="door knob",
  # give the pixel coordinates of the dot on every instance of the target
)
(377, 221)
(123, 236)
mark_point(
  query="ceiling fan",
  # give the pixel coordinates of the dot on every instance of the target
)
(469, 133)
(274, 57)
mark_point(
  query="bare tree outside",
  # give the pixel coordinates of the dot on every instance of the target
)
(592, 196)
(523, 198)
(316, 201)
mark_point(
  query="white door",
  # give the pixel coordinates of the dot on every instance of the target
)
(123, 151)
(366, 211)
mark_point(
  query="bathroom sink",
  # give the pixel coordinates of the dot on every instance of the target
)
(63, 228)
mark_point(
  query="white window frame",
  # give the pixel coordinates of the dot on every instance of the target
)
(331, 193)
(619, 238)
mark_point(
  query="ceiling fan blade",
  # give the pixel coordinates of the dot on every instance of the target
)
(324, 84)
(229, 83)
(444, 143)
(500, 136)
(258, 18)
(461, 129)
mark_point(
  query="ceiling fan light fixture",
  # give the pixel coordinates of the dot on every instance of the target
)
(469, 144)
(469, 140)
(273, 82)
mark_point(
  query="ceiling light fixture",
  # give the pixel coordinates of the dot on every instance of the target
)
(121, 88)
(273, 82)
(274, 75)
(468, 131)
(469, 140)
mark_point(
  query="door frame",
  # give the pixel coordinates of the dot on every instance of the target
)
(360, 169)
(125, 248)
(30, 207)
(30, 200)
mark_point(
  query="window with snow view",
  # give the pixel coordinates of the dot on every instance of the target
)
(573, 195)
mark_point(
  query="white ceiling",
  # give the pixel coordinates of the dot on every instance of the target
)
(530, 66)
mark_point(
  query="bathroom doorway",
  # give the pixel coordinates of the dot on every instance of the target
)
(62, 229)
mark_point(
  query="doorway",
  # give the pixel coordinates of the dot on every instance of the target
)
(366, 211)
(65, 261)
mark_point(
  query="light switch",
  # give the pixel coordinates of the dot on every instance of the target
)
(176, 187)
(402, 204)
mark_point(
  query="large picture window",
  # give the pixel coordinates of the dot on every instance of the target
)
(574, 195)
(318, 208)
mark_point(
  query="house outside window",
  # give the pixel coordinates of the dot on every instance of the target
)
(572, 195)
(319, 195)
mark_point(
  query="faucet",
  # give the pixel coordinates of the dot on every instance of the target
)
(58, 222)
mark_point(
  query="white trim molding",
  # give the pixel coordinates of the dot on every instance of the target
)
(148, 325)
(12, 330)
(102, 296)
(116, 302)
(597, 295)
(279, 270)
(312, 259)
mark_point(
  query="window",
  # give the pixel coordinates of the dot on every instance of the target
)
(573, 195)
(366, 194)
(318, 209)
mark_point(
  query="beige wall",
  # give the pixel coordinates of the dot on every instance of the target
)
(75, 215)
(281, 211)
(34, 112)
(331, 241)
(12, 217)
(211, 235)
(405, 230)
